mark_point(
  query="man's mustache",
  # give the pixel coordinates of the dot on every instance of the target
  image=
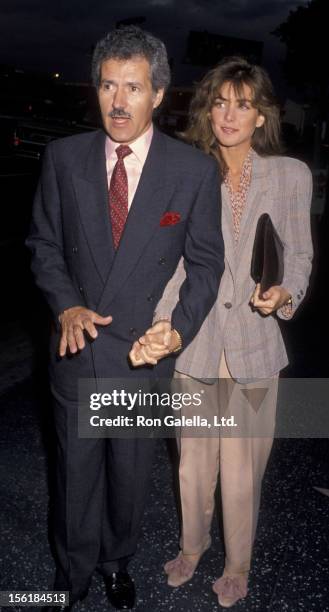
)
(119, 113)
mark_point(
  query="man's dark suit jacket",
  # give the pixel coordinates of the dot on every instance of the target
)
(74, 261)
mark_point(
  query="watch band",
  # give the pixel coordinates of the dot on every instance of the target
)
(180, 341)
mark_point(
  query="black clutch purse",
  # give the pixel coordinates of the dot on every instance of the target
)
(267, 255)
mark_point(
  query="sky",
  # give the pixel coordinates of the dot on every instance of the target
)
(58, 35)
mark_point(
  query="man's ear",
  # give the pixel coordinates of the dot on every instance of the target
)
(260, 120)
(158, 97)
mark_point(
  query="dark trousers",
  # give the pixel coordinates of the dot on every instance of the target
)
(100, 492)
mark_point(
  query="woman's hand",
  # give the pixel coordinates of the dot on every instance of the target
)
(272, 299)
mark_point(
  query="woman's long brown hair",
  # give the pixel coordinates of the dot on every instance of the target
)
(237, 71)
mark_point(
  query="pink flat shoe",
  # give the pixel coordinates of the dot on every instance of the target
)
(181, 569)
(231, 588)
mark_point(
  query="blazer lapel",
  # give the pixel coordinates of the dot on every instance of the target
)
(258, 188)
(144, 216)
(91, 189)
(227, 229)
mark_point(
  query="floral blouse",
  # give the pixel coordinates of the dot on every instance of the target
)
(238, 198)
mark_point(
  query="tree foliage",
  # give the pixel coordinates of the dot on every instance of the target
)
(306, 36)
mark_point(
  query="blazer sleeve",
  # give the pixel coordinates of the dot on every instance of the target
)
(193, 289)
(170, 296)
(45, 242)
(297, 240)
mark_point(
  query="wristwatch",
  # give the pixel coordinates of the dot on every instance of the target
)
(180, 341)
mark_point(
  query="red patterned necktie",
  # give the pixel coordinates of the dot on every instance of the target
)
(118, 194)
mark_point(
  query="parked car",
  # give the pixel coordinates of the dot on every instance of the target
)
(30, 137)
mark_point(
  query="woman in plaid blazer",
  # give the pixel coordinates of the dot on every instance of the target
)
(235, 118)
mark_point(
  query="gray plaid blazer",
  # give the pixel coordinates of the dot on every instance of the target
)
(282, 187)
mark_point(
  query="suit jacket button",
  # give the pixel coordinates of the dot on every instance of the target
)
(162, 261)
(150, 298)
(74, 249)
(81, 289)
(133, 331)
(228, 305)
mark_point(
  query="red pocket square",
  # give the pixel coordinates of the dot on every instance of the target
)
(170, 218)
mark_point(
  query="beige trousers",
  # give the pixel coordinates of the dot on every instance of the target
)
(240, 463)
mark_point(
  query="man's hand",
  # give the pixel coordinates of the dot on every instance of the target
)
(157, 342)
(273, 299)
(74, 322)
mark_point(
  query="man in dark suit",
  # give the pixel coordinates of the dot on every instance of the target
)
(114, 211)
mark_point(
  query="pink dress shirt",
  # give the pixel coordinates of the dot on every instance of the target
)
(134, 162)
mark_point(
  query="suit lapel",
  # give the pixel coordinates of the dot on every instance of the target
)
(144, 216)
(91, 189)
(258, 188)
(227, 228)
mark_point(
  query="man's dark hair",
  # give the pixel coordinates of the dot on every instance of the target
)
(127, 42)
